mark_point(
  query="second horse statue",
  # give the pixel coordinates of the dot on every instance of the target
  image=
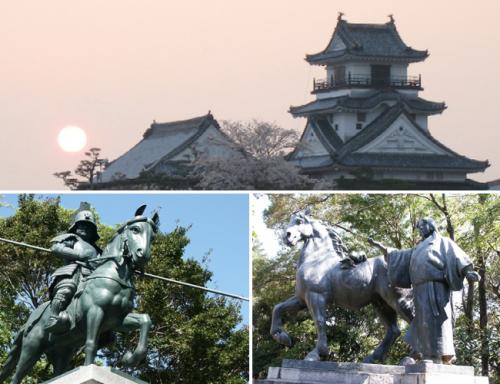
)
(325, 276)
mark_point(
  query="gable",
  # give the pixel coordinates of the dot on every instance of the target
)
(402, 136)
(212, 143)
(336, 44)
(309, 145)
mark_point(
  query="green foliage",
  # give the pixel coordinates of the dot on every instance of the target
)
(391, 220)
(194, 339)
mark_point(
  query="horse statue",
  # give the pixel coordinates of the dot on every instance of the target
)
(101, 305)
(323, 278)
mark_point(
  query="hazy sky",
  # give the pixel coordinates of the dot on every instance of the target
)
(113, 66)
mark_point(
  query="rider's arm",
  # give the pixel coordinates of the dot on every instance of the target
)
(66, 252)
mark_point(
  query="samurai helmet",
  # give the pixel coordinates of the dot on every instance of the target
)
(84, 215)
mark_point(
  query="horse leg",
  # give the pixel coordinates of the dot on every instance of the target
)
(132, 322)
(32, 349)
(95, 316)
(293, 305)
(389, 318)
(13, 357)
(316, 304)
(60, 360)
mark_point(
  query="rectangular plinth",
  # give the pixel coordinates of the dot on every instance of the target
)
(93, 374)
(308, 372)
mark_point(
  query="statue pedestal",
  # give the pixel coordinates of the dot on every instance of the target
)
(312, 372)
(93, 374)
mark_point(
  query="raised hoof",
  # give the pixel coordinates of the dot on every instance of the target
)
(407, 360)
(132, 359)
(282, 338)
(127, 359)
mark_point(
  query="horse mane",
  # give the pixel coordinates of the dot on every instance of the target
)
(112, 245)
(337, 243)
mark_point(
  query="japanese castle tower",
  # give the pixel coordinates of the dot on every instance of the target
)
(368, 118)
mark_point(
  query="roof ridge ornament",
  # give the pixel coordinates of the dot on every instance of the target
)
(391, 18)
(339, 17)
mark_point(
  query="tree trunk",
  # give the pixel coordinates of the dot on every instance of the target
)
(483, 318)
(483, 305)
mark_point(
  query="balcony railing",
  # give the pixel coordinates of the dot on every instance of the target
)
(363, 81)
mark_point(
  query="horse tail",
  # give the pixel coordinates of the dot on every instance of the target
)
(13, 357)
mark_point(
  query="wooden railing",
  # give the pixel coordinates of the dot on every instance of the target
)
(368, 81)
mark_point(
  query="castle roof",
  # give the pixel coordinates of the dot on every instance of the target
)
(355, 104)
(161, 142)
(372, 42)
(349, 154)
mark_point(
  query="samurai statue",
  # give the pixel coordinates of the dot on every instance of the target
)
(76, 247)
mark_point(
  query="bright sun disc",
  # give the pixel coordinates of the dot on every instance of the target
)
(72, 139)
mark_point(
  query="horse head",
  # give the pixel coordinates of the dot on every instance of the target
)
(136, 236)
(300, 227)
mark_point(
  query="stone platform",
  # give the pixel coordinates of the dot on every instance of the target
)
(93, 374)
(312, 372)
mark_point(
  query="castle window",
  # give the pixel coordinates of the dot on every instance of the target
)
(336, 127)
(361, 116)
(359, 126)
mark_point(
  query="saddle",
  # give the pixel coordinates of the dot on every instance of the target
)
(352, 259)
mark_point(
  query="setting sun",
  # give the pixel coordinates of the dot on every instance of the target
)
(72, 139)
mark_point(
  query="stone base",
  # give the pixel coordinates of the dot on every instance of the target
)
(312, 372)
(93, 374)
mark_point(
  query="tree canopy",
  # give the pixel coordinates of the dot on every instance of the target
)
(473, 220)
(195, 337)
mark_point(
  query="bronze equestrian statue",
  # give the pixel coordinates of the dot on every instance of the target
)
(102, 303)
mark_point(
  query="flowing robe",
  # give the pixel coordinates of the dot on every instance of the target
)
(433, 268)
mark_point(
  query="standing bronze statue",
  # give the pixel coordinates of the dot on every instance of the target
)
(433, 268)
(102, 291)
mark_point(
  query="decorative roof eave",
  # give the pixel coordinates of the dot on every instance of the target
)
(354, 49)
(380, 124)
(338, 166)
(333, 142)
(341, 103)
(419, 162)
(330, 58)
(329, 146)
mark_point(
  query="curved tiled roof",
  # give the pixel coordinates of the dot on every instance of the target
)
(367, 41)
(160, 142)
(345, 102)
